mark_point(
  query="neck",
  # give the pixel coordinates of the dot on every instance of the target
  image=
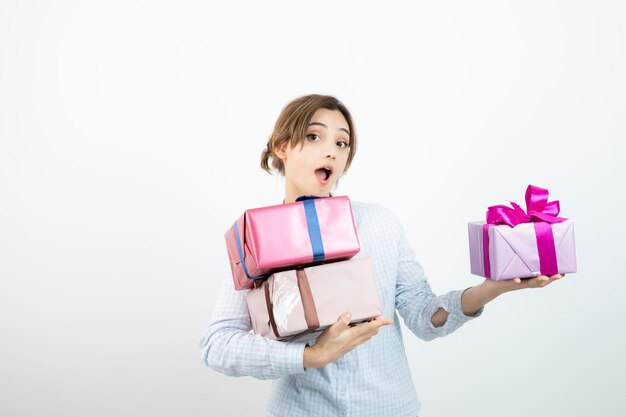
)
(291, 198)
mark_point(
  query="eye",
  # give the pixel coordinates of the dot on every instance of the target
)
(312, 136)
(343, 144)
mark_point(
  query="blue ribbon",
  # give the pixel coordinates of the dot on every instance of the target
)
(315, 235)
(243, 264)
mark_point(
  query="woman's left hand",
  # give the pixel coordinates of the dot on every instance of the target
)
(474, 298)
(521, 283)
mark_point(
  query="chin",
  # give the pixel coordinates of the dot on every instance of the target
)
(317, 190)
(324, 191)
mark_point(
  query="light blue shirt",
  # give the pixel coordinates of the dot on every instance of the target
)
(371, 380)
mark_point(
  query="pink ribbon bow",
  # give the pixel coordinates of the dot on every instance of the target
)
(538, 211)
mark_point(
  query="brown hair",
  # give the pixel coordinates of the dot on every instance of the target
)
(291, 126)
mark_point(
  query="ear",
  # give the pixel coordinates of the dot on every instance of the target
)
(280, 151)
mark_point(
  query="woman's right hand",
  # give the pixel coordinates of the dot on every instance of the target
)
(339, 339)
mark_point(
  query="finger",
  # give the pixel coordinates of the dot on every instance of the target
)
(545, 280)
(363, 328)
(379, 322)
(368, 329)
(531, 282)
(555, 278)
(542, 280)
(364, 336)
(343, 321)
(383, 321)
(346, 317)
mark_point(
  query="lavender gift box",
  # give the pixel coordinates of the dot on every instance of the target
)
(301, 303)
(514, 243)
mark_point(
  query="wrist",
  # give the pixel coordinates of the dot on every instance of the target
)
(474, 298)
(312, 357)
(493, 289)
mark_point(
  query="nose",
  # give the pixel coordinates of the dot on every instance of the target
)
(329, 152)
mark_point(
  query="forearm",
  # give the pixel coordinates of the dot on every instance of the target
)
(476, 297)
(471, 301)
(447, 313)
(237, 353)
(439, 318)
(228, 346)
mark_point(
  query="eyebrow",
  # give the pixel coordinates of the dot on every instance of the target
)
(322, 124)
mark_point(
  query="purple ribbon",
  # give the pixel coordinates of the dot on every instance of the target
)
(538, 211)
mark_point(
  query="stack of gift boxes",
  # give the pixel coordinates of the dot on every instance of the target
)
(295, 261)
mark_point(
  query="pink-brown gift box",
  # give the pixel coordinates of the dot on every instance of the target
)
(300, 304)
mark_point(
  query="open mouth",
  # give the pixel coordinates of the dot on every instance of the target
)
(324, 173)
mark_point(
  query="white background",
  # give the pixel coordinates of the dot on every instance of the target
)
(130, 136)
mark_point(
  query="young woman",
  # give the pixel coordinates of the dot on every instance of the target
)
(343, 372)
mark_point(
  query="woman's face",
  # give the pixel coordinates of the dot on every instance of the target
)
(315, 166)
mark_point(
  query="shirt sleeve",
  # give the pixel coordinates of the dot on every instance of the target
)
(229, 346)
(415, 300)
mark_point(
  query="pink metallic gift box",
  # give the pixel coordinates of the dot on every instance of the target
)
(269, 239)
(300, 304)
(514, 243)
